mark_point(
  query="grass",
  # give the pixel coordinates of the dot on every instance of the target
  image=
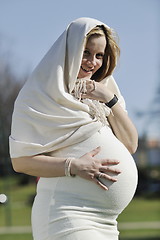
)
(141, 210)
(16, 236)
(17, 212)
(29, 237)
(147, 234)
(127, 235)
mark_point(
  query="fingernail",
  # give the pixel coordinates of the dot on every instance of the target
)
(114, 180)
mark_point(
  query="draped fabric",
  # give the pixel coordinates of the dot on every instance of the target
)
(46, 115)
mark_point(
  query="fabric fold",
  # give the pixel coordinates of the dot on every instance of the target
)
(46, 116)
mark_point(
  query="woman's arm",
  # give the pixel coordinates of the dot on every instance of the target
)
(40, 165)
(119, 120)
(87, 166)
(123, 128)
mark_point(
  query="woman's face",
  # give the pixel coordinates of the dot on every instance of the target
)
(92, 57)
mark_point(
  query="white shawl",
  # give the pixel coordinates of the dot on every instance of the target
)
(46, 116)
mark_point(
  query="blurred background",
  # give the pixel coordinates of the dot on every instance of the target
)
(28, 28)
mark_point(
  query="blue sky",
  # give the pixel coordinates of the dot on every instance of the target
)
(28, 28)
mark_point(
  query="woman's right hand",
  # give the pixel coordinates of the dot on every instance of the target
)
(91, 168)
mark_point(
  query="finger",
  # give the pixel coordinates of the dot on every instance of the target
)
(88, 81)
(108, 177)
(99, 183)
(110, 162)
(91, 86)
(95, 151)
(83, 95)
(110, 169)
(88, 95)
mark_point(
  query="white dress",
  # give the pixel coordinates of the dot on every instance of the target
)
(67, 208)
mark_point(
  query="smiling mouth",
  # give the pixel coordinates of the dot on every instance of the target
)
(87, 71)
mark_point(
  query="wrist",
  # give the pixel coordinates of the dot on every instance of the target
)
(112, 101)
(74, 167)
(68, 167)
(108, 98)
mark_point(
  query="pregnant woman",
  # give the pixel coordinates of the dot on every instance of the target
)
(70, 127)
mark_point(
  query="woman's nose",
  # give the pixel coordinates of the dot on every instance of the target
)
(92, 61)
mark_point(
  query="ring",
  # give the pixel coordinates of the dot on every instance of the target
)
(100, 175)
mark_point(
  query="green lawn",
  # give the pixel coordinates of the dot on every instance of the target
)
(17, 212)
(29, 237)
(148, 234)
(16, 237)
(141, 210)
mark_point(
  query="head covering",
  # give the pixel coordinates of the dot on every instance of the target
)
(46, 116)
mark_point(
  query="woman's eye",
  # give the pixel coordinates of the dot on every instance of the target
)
(86, 52)
(100, 55)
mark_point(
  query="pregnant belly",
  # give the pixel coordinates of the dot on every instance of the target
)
(119, 194)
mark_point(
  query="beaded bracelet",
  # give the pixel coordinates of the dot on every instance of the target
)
(68, 167)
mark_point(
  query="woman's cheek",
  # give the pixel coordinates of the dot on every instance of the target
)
(99, 65)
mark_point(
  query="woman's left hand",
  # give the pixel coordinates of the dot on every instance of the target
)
(97, 91)
(119, 121)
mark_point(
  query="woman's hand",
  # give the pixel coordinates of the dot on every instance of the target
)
(97, 91)
(121, 124)
(91, 168)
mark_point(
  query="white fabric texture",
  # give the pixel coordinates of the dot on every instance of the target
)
(73, 208)
(46, 116)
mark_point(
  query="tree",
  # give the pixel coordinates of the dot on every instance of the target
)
(152, 116)
(9, 88)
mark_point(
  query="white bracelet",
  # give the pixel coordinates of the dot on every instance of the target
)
(68, 167)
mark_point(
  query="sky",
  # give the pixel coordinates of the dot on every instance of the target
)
(28, 28)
